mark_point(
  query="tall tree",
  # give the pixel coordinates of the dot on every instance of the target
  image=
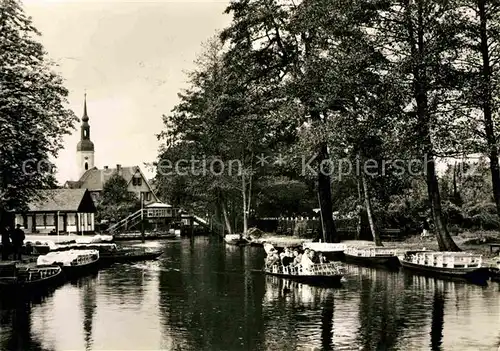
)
(480, 23)
(34, 115)
(421, 39)
(116, 202)
(222, 118)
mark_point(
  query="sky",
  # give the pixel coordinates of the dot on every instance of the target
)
(131, 58)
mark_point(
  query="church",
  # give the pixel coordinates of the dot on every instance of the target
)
(93, 178)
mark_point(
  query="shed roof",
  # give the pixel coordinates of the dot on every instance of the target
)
(63, 200)
(158, 205)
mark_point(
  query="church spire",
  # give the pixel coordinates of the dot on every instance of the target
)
(85, 118)
(85, 147)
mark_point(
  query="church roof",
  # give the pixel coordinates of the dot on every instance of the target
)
(85, 145)
(63, 200)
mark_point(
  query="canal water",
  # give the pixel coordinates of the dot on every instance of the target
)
(204, 295)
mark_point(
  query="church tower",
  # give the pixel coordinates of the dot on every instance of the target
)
(85, 148)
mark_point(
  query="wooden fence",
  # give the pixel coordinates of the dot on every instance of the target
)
(311, 228)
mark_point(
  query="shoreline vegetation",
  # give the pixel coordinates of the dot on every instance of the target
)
(397, 87)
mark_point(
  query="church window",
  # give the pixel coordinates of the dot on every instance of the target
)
(85, 133)
(86, 166)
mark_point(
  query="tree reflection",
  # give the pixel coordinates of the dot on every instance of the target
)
(437, 319)
(211, 302)
(126, 283)
(88, 286)
(381, 310)
(327, 323)
(16, 320)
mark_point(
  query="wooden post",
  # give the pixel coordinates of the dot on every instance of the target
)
(33, 222)
(65, 222)
(57, 222)
(142, 217)
(77, 223)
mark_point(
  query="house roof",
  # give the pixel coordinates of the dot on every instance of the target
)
(72, 184)
(159, 205)
(63, 200)
(94, 179)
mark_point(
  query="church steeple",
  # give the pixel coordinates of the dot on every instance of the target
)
(85, 147)
(85, 118)
(85, 144)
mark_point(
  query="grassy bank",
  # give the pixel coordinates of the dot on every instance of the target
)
(477, 242)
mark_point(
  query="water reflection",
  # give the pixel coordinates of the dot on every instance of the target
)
(15, 322)
(88, 305)
(212, 303)
(204, 295)
(437, 320)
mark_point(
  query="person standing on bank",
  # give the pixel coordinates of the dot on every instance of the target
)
(6, 246)
(18, 242)
(425, 228)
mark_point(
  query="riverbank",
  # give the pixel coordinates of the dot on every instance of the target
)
(476, 242)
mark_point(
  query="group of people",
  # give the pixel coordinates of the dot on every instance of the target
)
(12, 242)
(294, 258)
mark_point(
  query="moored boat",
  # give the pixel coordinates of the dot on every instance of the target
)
(332, 251)
(24, 278)
(236, 239)
(129, 255)
(373, 256)
(74, 263)
(442, 263)
(101, 247)
(320, 273)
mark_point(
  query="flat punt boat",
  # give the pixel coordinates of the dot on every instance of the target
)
(451, 264)
(15, 278)
(236, 239)
(321, 273)
(129, 255)
(74, 263)
(101, 247)
(373, 256)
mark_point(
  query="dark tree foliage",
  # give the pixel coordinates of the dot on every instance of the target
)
(34, 115)
(116, 202)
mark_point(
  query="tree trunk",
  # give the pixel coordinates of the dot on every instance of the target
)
(487, 102)
(368, 206)
(359, 208)
(250, 190)
(420, 86)
(216, 227)
(226, 218)
(324, 182)
(325, 198)
(455, 188)
(244, 193)
(444, 238)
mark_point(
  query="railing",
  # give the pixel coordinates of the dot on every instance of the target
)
(128, 221)
(330, 268)
(446, 259)
(371, 251)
